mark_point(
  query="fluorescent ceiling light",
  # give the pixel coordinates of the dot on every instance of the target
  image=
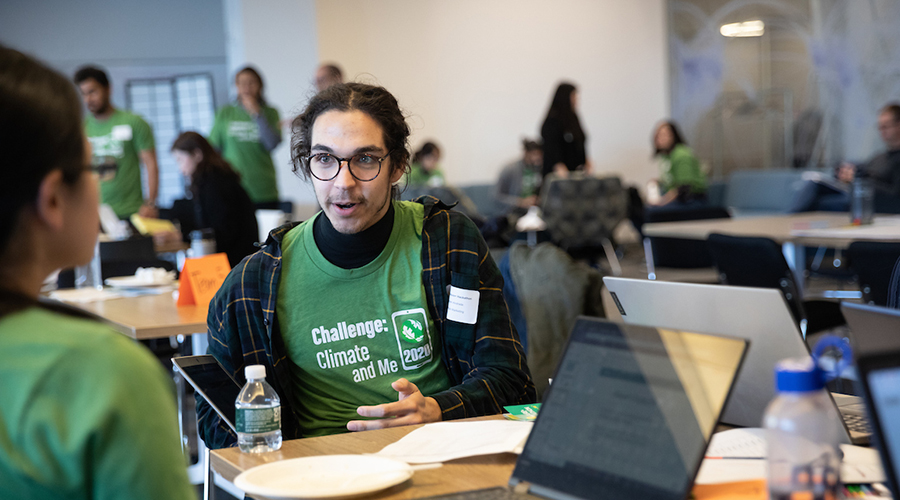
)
(744, 29)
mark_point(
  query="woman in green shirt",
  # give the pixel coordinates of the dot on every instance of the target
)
(424, 170)
(246, 132)
(681, 179)
(85, 412)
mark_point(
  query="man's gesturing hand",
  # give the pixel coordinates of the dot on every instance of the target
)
(411, 408)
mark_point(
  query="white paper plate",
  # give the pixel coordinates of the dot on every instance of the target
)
(326, 476)
(136, 282)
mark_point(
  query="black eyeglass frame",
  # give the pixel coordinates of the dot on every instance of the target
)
(341, 162)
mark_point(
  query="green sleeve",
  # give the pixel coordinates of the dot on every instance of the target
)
(273, 118)
(115, 426)
(142, 135)
(215, 135)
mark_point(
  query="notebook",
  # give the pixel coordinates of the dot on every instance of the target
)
(876, 332)
(758, 314)
(629, 414)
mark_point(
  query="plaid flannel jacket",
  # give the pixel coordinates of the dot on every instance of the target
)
(485, 361)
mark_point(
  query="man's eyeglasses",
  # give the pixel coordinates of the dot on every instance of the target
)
(363, 167)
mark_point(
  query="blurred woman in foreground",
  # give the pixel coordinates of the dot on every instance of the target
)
(86, 413)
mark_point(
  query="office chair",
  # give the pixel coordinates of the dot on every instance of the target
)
(758, 262)
(873, 262)
(678, 252)
(581, 214)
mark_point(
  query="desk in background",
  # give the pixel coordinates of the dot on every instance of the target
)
(793, 232)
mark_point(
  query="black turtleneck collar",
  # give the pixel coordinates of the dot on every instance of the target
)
(350, 251)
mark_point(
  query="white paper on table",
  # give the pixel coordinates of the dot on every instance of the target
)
(443, 441)
(746, 446)
(861, 465)
(81, 295)
(748, 442)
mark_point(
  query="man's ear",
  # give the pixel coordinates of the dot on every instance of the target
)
(396, 174)
(50, 202)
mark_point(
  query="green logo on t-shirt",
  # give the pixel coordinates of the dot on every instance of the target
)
(412, 331)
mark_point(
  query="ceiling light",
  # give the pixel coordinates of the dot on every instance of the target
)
(744, 29)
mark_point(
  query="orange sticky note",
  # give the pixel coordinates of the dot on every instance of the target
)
(741, 490)
(201, 278)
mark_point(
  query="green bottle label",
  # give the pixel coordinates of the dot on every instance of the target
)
(258, 420)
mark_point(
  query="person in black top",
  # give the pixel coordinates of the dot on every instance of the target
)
(883, 169)
(219, 201)
(564, 139)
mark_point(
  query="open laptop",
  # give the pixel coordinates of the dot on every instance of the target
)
(758, 314)
(629, 414)
(876, 333)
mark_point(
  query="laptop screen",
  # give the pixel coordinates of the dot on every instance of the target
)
(630, 411)
(884, 390)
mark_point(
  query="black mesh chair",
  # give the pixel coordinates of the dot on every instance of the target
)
(678, 252)
(582, 212)
(873, 262)
(759, 262)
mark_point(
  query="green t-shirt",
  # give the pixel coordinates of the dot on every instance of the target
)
(122, 136)
(681, 168)
(236, 134)
(350, 333)
(86, 414)
(418, 176)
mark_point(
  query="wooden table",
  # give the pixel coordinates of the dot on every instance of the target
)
(149, 316)
(457, 475)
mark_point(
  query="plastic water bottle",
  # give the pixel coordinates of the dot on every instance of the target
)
(803, 432)
(258, 413)
(90, 275)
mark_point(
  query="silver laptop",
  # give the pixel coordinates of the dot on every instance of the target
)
(760, 315)
(876, 334)
(629, 415)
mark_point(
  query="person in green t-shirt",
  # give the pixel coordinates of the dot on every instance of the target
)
(424, 170)
(681, 180)
(86, 412)
(246, 132)
(123, 138)
(375, 312)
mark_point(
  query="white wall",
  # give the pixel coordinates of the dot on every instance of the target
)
(477, 75)
(279, 38)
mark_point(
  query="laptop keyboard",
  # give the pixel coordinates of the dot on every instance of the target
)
(858, 423)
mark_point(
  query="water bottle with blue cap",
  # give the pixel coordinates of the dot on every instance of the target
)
(803, 432)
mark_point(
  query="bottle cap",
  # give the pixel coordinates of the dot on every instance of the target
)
(798, 375)
(255, 372)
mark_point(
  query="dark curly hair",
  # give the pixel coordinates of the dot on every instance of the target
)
(374, 101)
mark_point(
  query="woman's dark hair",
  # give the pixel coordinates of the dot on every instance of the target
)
(676, 137)
(561, 109)
(212, 161)
(374, 101)
(251, 70)
(40, 123)
(429, 148)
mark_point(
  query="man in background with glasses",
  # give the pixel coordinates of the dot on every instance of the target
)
(375, 312)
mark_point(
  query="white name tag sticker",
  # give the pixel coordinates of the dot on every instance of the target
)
(463, 305)
(121, 132)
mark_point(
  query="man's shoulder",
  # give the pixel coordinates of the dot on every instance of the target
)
(128, 117)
